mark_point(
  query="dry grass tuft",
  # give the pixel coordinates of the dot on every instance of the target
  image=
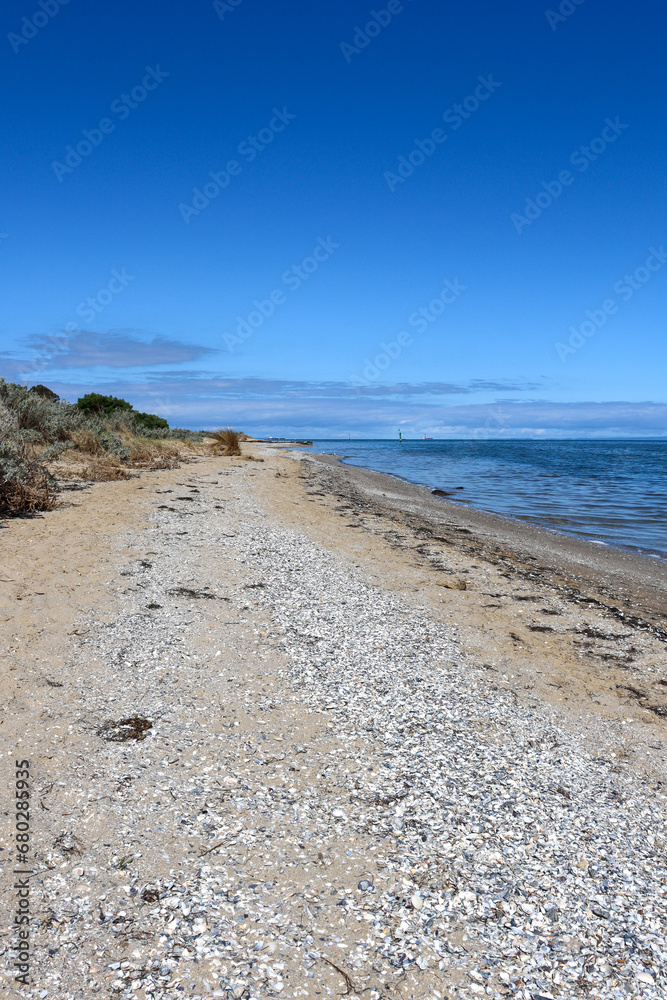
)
(102, 468)
(226, 442)
(27, 498)
(101, 471)
(143, 454)
(87, 442)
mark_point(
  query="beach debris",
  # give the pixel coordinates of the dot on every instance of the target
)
(350, 986)
(596, 633)
(149, 894)
(132, 728)
(195, 594)
(643, 699)
(68, 843)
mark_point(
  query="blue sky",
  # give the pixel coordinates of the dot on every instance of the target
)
(340, 218)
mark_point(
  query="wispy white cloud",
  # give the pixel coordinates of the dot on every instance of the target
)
(211, 386)
(89, 349)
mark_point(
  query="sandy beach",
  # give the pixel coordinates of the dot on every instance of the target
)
(300, 730)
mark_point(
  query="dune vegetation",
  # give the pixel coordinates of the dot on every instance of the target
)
(226, 441)
(45, 440)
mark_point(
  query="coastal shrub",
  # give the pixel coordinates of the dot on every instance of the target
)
(172, 434)
(95, 439)
(53, 451)
(115, 446)
(120, 413)
(43, 390)
(119, 421)
(53, 419)
(149, 421)
(157, 433)
(31, 436)
(178, 433)
(95, 402)
(25, 485)
(226, 442)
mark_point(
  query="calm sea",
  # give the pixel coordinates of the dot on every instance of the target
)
(610, 492)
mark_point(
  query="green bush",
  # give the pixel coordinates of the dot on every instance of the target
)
(121, 413)
(150, 421)
(95, 403)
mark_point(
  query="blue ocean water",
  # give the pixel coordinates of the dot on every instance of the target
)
(610, 492)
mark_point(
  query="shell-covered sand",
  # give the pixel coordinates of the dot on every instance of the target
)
(299, 730)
